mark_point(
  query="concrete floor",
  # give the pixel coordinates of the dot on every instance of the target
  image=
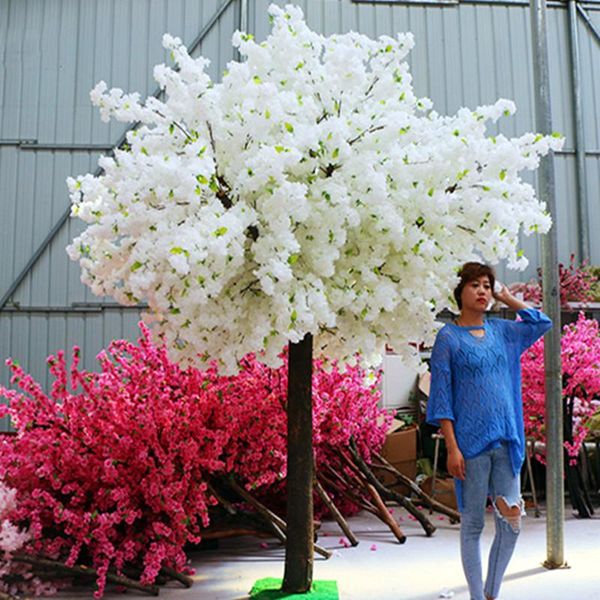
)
(381, 569)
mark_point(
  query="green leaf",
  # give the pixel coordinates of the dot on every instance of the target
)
(289, 127)
(294, 316)
(293, 259)
(279, 149)
(144, 151)
(220, 231)
(201, 179)
(257, 79)
(135, 266)
(335, 153)
(502, 175)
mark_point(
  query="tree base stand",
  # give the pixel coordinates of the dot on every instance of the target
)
(269, 588)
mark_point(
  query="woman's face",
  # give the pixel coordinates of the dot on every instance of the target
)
(476, 295)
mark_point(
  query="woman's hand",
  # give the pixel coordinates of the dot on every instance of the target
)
(504, 295)
(456, 464)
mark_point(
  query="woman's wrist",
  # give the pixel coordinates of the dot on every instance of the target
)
(516, 304)
(507, 298)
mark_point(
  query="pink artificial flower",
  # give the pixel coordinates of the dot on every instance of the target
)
(113, 465)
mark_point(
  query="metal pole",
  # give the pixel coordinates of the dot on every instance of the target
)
(553, 418)
(579, 138)
(241, 23)
(244, 15)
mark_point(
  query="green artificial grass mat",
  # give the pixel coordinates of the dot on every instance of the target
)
(269, 588)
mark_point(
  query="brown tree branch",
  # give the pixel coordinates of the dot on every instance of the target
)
(277, 522)
(337, 515)
(352, 497)
(425, 498)
(171, 573)
(384, 514)
(81, 570)
(391, 494)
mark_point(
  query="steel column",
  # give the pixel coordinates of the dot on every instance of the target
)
(552, 360)
(583, 240)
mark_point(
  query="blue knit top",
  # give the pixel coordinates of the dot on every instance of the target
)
(476, 383)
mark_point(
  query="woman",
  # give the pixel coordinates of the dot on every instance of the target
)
(475, 398)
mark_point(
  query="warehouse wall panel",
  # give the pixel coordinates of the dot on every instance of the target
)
(53, 52)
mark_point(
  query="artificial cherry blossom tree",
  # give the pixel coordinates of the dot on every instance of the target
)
(308, 198)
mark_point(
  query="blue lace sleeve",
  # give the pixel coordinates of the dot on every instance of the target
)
(439, 405)
(533, 325)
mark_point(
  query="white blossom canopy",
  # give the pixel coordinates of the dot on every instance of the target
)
(309, 191)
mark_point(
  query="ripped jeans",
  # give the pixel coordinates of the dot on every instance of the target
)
(490, 471)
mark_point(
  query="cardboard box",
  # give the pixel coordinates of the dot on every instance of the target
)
(400, 449)
(444, 490)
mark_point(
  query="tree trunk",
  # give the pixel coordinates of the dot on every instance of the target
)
(300, 529)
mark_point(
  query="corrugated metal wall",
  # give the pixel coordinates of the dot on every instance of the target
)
(474, 52)
(54, 51)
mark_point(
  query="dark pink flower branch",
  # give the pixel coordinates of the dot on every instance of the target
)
(580, 352)
(111, 468)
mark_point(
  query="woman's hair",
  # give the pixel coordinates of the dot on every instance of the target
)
(472, 271)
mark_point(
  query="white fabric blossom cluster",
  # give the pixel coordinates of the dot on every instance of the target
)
(11, 537)
(309, 191)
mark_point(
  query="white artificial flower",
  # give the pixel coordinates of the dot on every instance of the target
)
(310, 191)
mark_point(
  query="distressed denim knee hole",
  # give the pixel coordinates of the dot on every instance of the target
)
(510, 513)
